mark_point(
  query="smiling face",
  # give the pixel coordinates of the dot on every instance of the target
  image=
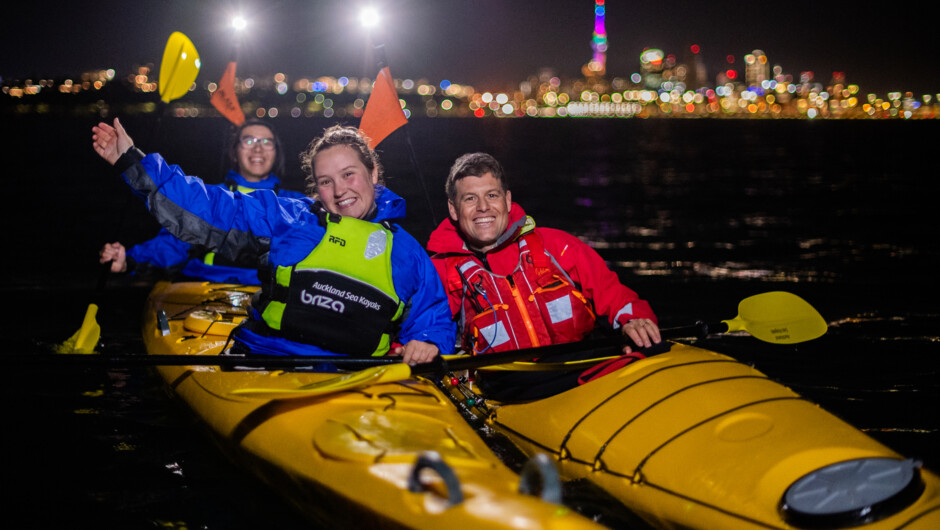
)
(255, 162)
(481, 210)
(344, 184)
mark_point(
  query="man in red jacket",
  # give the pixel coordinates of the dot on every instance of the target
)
(513, 285)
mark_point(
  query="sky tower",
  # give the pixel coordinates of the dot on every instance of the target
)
(598, 64)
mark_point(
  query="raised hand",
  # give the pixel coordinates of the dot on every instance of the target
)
(110, 142)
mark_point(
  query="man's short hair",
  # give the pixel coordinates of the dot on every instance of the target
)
(473, 165)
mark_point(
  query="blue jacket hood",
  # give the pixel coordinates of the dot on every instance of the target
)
(270, 183)
(389, 204)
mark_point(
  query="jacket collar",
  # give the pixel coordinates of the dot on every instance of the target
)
(446, 238)
(267, 184)
(389, 205)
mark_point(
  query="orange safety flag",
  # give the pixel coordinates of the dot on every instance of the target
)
(383, 112)
(224, 98)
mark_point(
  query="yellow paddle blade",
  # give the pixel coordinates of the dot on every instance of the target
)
(179, 67)
(386, 373)
(86, 338)
(778, 317)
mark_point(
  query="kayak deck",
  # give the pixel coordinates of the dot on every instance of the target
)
(692, 438)
(687, 438)
(350, 457)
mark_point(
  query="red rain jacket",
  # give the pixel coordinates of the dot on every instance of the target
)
(600, 286)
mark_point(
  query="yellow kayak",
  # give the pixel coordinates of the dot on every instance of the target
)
(694, 439)
(390, 454)
(684, 439)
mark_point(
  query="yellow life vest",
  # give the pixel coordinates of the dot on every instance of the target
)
(340, 297)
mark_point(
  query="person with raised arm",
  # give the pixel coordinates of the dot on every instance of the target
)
(344, 278)
(255, 154)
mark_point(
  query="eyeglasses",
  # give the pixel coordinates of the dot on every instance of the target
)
(250, 141)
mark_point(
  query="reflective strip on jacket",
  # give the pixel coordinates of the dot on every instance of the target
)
(537, 304)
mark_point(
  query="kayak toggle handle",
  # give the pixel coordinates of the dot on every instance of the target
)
(540, 473)
(432, 460)
(163, 323)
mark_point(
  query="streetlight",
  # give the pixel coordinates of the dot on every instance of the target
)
(369, 17)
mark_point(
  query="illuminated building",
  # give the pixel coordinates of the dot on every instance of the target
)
(757, 69)
(598, 64)
(693, 73)
(651, 68)
(662, 88)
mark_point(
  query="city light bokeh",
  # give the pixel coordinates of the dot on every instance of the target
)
(664, 85)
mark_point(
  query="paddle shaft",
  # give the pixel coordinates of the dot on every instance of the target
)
(599, 346)
(781, 310)
(590, 348)
(700, 330)
(223, 361)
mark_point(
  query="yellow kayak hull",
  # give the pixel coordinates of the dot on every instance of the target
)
(346, 458)
(694, 439)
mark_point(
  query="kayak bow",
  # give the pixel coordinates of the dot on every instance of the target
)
(389, 455)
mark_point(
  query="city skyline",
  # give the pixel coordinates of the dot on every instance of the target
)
(484, 43)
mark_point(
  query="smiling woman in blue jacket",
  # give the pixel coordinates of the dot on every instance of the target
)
(255, 154)
(344, 278)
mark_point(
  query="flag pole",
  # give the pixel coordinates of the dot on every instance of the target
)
(224, 98)
(381, 62)
(427, 196)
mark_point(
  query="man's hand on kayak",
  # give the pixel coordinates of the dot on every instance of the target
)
(115, 253)
(416, 352)
(642, 331)
(110, 142)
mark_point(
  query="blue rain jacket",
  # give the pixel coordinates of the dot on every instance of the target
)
(165, 251)
(208, 215)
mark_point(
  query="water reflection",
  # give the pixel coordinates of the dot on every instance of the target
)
(694, 216)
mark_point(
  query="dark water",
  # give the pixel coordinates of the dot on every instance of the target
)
(694, 215)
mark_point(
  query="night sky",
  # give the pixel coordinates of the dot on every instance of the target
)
(489, 44)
